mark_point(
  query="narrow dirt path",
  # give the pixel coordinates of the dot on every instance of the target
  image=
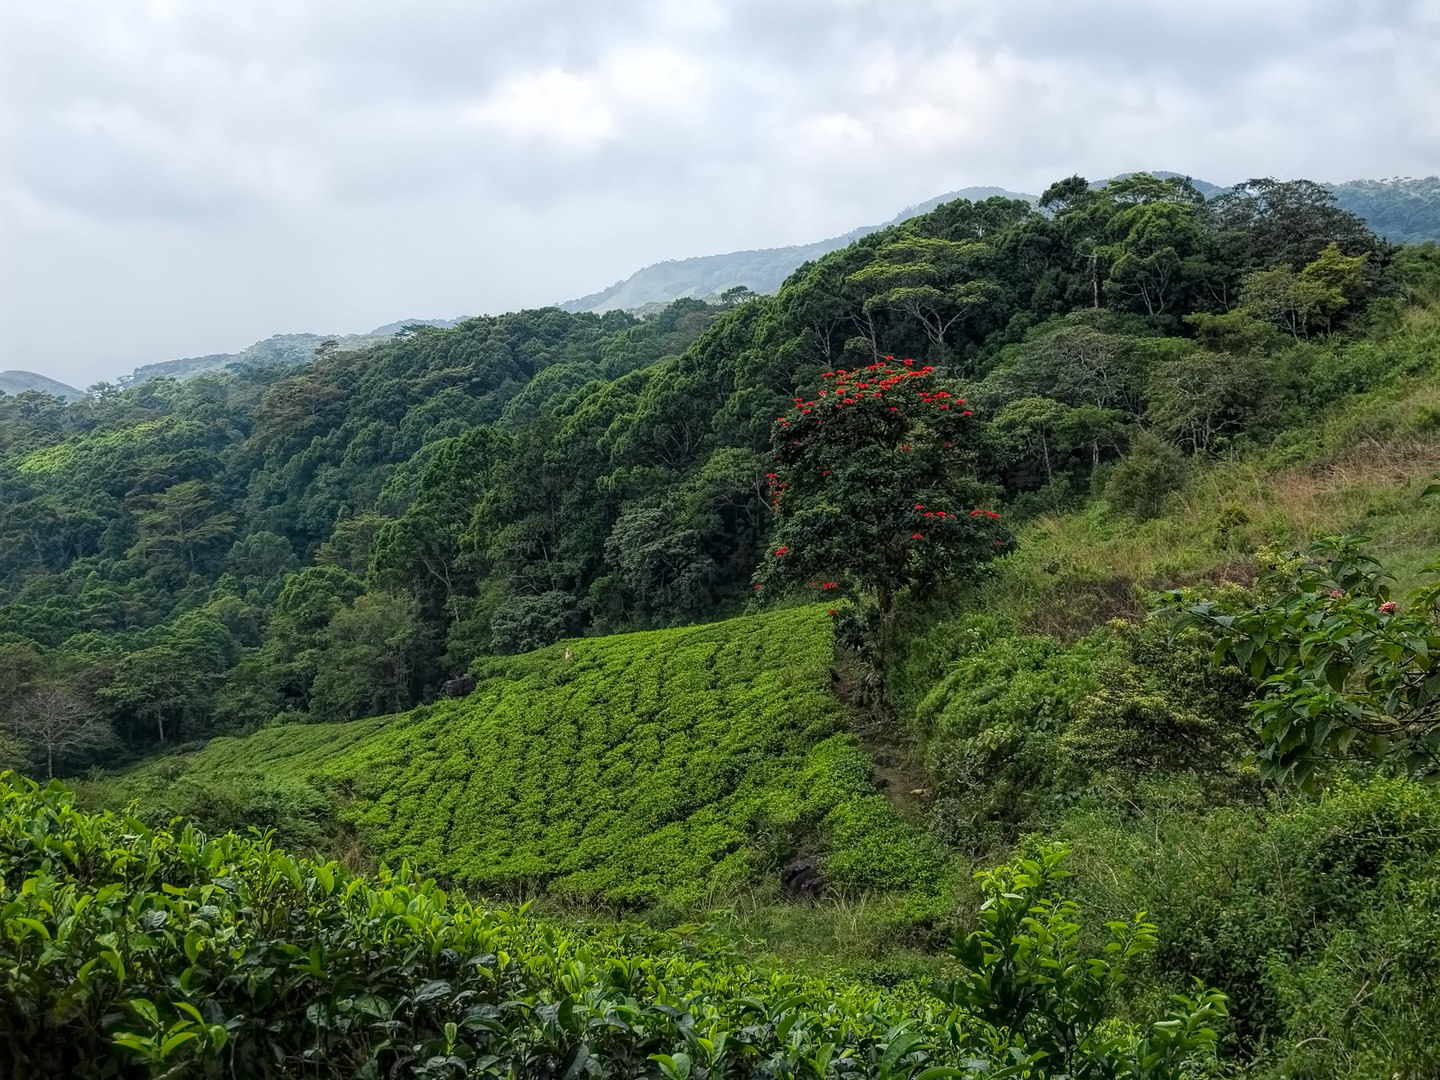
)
(898, 772)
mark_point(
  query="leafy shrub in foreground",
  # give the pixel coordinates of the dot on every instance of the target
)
(126, 951)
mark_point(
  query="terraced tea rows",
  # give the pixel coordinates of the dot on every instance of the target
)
(635, 769)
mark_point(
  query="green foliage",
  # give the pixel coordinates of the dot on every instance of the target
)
(991, 729)
(641, 769)
(1028, 974)
(542, 474)
(1141, 481)
(1318, 919)
(875, 487)
(1162, 709)
(1339, 662)
(136, 952)
(370, 651)
(525, 623)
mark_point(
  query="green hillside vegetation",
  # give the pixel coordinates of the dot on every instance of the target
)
(292, 349)
(661, 767)
(708, 277)
(1037, 465)
(1403, 211)
(128, 951)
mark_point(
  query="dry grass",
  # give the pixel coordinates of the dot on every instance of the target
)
(1364, 469)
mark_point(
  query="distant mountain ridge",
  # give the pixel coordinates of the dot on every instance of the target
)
(279, 349)
(761, 270)
(18, 382)
(1402, 210)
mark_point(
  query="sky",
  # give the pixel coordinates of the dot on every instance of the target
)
(182, 177)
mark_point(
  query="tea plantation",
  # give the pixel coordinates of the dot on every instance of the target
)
(634, 770)
(126, 951)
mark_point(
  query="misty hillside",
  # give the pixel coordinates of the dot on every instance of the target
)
(1403, 211)
(1400, 210)
(279, 349)
(760, 271)
(17, 382)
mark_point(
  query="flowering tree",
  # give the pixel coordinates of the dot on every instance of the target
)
(875, 487)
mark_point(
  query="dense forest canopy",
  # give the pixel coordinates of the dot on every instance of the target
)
(337, 539)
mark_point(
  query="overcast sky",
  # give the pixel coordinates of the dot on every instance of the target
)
(179, 177)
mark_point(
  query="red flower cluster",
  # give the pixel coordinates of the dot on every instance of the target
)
(991, 514)
(776, 486)
(871, 383)
(1388, 608)
(782, 551)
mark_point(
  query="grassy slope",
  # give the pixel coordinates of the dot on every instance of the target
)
(663, 766)
(1359, 465)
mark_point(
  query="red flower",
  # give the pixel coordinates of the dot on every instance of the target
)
(1388, 607)
(782, 550)
(918, 536)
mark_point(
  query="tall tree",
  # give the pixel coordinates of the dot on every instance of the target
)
(876, 487)
(937, 283)
(60, 726)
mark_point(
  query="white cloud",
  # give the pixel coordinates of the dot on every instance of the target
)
(551, 105)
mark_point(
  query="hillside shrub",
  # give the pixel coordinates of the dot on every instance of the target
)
(991, 730)
(1320, 919)
(1143, 479)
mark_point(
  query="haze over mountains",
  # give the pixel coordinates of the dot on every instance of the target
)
(18, 382)
(1402, 210)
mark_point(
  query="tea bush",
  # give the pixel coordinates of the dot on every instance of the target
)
(131, 952)
(632, 770)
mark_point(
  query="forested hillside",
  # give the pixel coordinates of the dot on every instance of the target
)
(709, 277)
(20, 382)
(1403, 211)
(279, 349)
(201, 556)
(1000, 521)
